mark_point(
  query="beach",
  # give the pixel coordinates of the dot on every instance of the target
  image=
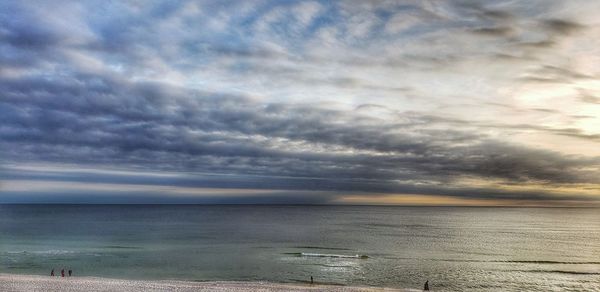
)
(11, 282)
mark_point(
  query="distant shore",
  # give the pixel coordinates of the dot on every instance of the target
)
(13, 282)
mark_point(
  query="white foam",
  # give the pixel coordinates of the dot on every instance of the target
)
(308, 254)
(43, 252)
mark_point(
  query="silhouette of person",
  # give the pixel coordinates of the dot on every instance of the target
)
(426, 287)
(311, 279)
(62, 273)
(70, 272)
(52, 273)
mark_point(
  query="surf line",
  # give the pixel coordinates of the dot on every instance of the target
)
(308, 254)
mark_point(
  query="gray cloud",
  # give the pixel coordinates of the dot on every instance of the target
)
(494, 31)
(587, 97)
(554, 74)
(561, 26)
(158, 127)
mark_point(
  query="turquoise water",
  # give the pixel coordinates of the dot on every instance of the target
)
(501, 249)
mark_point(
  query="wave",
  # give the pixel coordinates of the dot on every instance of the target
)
(322, 247)
(43, 252)
(541, 262)
(559, 271)
(500, 261)
(550, 262)
(315, 282)
(121, 247)
(324, 255)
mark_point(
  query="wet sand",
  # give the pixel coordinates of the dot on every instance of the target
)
(11, 282)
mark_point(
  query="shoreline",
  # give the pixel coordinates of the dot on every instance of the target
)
(19, 282)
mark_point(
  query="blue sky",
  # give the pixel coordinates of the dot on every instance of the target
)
(325, 102)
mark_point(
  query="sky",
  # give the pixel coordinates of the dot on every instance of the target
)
(425, 102)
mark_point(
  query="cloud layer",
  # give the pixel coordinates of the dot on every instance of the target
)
(299, 102)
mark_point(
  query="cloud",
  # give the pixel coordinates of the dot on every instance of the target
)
(326, 97)
(163, 128)
(494, 31)
(554, 74)
(587, 97)
(561, 26)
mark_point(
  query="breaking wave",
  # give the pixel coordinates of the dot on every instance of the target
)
(325, 255)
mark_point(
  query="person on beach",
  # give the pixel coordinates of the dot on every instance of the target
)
(426, 287)
(311, 280)
(62, 273)
(70, 272)
(52, 273)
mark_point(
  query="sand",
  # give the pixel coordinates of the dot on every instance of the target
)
(11, 282)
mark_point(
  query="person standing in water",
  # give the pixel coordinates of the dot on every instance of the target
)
(52, 273)
(426, 287)
(62, 273)
(70, 272)
(311, 280)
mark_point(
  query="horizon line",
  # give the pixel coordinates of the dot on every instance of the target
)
(292, 204)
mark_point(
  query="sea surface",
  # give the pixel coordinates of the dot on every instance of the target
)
(455, 248)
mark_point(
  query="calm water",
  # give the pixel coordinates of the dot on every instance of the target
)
(537, 249)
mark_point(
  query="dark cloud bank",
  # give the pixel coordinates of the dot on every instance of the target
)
(96, 120)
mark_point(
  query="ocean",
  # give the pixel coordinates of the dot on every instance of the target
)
(455, 248)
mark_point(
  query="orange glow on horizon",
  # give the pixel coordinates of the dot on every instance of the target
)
(436, 200)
